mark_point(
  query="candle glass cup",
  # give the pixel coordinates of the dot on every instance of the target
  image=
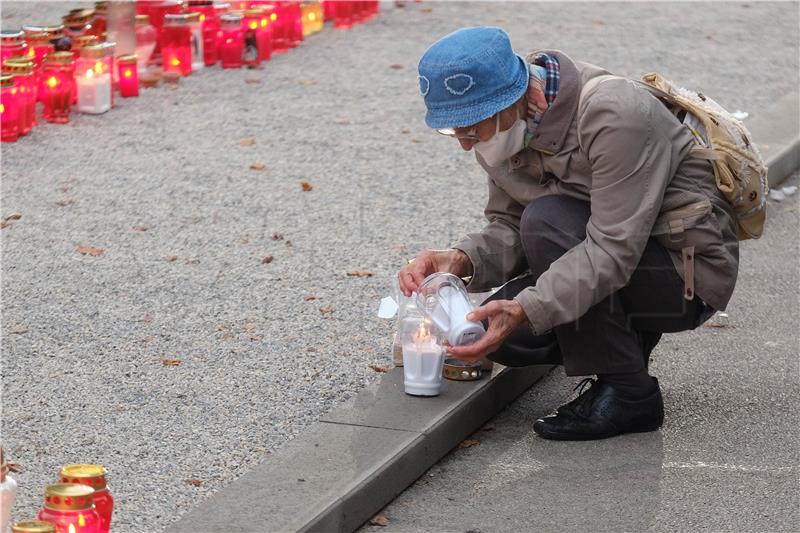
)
(70, 508)
(57, 84)
(78, 22)
(12, 44)
(94, 476)
(253, 38)
(146, 38)
(9, 109)
(176, 44)
(23, 71)
(128, 76)
(209, 20)
(232, 41)
(93, 80)
(443, 299)
(423, 360)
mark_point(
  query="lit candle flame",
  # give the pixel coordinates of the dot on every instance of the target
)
(127, 73)
(52, 82)
(422, 332)
(89, 74)
(81, 520)
(71, 528)
(202, 17)
(98, 67)
(264, 22)
(175, 61)
(253, 25)
(273, 17)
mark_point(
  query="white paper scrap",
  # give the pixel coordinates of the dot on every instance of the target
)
(740, 115)
(789, 190)
(388, 307)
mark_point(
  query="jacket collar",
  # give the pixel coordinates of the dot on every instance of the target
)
(552, 130)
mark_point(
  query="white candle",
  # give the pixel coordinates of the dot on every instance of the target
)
(423, 359)
(94, 92)
(197, 48)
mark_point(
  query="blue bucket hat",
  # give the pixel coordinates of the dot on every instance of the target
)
(470, 75)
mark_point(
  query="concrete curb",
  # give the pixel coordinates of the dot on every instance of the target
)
(340, 471)
(777, 134)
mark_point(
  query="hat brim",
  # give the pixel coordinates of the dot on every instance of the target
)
(461, 116)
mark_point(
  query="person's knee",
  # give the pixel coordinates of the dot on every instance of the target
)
(549, 226)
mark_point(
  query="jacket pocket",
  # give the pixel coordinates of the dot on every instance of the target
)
(689, 230)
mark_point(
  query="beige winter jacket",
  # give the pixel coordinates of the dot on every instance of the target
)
(627, 154)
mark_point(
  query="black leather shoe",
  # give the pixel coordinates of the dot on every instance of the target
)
(602, 412)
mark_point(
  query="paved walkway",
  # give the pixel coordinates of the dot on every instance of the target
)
(725, 460)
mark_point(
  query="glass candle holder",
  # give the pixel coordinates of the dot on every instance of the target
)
(232, 41)
(9, 109)
(128, 76)
(176, 44)
(423, 360)
(23, 71)
(209, 21)
(12, 43)
(93, 80)
(279, 21)
(444, 301)
(55, 34)
(220, 9)
(146, 38)
(70, 508)
(78, 22)
(343, 14)
(80, 42)
(100, 20)
(156, 11)
(32, 526)
(38, 46)
(57, 86)
(253, 37)
(92, 476)
(313, 21)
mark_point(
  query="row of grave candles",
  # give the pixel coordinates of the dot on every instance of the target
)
(80, 503)
(64, 65)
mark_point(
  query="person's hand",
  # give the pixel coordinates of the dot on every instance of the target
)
(504, 316)
(537, 103)
(426, 263)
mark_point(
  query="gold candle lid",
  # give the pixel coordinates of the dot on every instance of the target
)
(11, 36)
(231, 19)
(85, 474)
(68, 497)
(181, 19)
(93, 51)
(18, 65)
(33, 526)
(101, 8)
(84, 40)
(59, 58)
(53, 31)
(77, 17)
(127, 59)
(37, 38)
(142, 20)
(6, 80)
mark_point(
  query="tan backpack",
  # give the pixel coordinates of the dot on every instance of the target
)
(739, 169)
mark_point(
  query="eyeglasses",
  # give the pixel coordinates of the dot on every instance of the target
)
(470, 135)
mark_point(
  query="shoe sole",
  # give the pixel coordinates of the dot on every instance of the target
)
(551, 435)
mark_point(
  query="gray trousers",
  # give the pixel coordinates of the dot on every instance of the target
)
(617, 334)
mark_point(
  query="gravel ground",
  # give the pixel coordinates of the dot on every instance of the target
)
(84, 336)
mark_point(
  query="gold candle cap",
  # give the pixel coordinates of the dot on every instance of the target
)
(68, 497)
(101, 7)
(231, 19)
(179, 19)
(84, 40)
(18, 65)
(33, 526)
(53, 31)
(142, 20)
(85, 474)
(37, 38)
(6, 80)
(93, 51)
(127, 59)
(78, 17)
(8, 37)
(255, 11)
(59, 58)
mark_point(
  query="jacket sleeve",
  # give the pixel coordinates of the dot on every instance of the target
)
(496, 251)
(632, 161)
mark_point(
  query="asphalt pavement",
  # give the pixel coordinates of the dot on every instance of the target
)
(726, 459)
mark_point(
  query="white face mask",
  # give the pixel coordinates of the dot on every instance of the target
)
(503, 144)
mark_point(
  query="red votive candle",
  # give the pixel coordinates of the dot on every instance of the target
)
(12, 43)
(100, 20)
(23, 71)
(93, 476)
(9, 109)
(176, 42)
(94, 81)
(210, 28)
(128, 76)
(156, 11)
(56, 87)
(78, 22)
(253, 37)
(232, 41)
(70, 507)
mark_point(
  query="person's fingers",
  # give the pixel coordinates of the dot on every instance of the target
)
(484, 311)
(475, 350)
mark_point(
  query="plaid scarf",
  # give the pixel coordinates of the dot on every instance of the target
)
(551, 83)
(553, 77)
